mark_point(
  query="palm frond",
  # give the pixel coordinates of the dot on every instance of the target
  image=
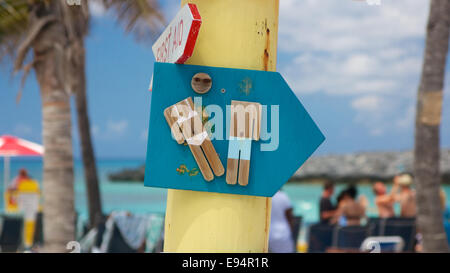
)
(13, 25)
(13, 16)
(141, 17)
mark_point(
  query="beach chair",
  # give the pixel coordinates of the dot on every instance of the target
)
(320, 237)
(403, 227)
(408, 220)
(351, 237)
(11, 237)
(379, 244)
(377, 224)
(91, 239)
(87, 242)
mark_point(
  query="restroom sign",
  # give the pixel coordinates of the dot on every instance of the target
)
(176, 44)
(258, 142)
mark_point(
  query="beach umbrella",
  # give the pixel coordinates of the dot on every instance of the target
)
(13, 146)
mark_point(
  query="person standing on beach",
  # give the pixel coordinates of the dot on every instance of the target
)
(350, 211)
(326, 209)
(22, 176)
(14, 186)
(281, 225)
(406, 197)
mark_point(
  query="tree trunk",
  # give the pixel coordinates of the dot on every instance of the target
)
(428, 116)
(87, 150)
(76, 21)
(58, 184)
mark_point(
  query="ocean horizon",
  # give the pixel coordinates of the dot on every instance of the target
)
(136, 198)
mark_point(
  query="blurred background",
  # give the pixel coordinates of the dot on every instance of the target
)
(355, 67)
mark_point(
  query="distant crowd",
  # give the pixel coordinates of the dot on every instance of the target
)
(351, 209)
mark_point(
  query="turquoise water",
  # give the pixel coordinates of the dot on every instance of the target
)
(133, 197)
(136, 198)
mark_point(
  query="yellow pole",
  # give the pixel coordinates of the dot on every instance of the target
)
(234, 34)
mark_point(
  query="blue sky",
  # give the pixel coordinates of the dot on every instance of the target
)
(355, 67)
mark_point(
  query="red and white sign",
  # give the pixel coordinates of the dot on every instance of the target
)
(176, 44)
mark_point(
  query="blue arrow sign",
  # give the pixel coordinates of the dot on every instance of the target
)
(288, 134)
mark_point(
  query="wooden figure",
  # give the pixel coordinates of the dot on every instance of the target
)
(186, 125)
(245, 126)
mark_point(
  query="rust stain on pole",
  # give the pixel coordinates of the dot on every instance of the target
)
(266, 55)
(267, 226)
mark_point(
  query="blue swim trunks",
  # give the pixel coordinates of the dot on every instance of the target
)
(239, 144)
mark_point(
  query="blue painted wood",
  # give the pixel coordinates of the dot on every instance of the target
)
(299, 136)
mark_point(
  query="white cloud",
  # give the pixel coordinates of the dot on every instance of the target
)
(367, 103)
(117, 127)
(371, 112)
(370, 54)
(379, 114)
(348, 25)
(112, 130)
(359, 65)
(346, 74)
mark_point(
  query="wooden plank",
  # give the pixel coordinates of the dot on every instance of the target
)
(201, 162)
(213, 158)
(244, 170)
(236, 34)
(232, 171)
(173, 126)
(191, 128)
(207, 146)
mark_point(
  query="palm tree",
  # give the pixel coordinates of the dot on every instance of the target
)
(428, 117)
(55, 32)
(78, 18)
(46, 38)
(131, 13)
